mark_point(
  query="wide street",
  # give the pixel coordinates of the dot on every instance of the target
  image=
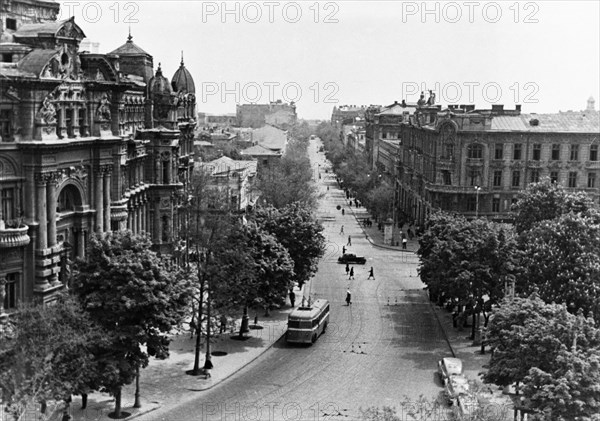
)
(381, 349)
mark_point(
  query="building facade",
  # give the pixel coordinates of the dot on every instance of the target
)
(474, 162)
(257, 115)
(89, 143)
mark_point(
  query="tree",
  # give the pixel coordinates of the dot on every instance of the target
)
(37, 362)
(129, 290)
(250, 267)
(289, 180)
(555, 355)
(296, 229)
(570, 391)
(465, 261)
(561, 259)
(545, 201)
(379, 201)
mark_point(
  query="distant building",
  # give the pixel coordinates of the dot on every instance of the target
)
(265, 157)
(474, 162)
(271, 137)
(255, 115)
(347, 114)
(233, 180)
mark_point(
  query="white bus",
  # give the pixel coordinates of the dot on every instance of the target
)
(305, 324)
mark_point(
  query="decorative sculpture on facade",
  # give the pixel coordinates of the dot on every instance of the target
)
(103, 112)
(47, 114)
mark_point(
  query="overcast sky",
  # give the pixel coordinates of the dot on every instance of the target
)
(544, 55)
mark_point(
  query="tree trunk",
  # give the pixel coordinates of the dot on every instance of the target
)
(84, 397)
(244, 325)
(137, 403)
(117, 413)
(196, 369)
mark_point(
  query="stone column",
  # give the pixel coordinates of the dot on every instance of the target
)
(81, 244)
(30, 196)
(51, 198)
(99, 201)
(75, 120)
(138, 218)
(130, 218)
(169, 165)
(41, 211)
(107, 201)
(157, 232)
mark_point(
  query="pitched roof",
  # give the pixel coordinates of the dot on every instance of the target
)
(30, 30)
(129, 49)
(225, 165)
(35, 61)
(572, 122)
(270, 137)
(258, 150)
(397, 109)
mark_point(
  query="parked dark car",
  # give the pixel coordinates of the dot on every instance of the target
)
(352, 258)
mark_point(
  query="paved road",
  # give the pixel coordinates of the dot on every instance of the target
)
(381, 348)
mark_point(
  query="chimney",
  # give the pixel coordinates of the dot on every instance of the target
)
(497, 108)
(534, 122)
(518, 108)
(404, 103)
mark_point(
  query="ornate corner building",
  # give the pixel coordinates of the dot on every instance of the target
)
(474, 162)
(89, 143)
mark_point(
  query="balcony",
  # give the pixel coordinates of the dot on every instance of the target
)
(14, 237)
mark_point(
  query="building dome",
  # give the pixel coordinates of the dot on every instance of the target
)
(159, 85)
(182, 80)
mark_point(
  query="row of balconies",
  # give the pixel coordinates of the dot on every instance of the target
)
(13, 237)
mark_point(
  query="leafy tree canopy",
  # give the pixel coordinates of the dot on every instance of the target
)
(561, 259)
(297, 230)
(37, 362)
(546, 200)
(128, 289)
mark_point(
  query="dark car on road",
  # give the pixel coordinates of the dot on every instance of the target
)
(352, 258)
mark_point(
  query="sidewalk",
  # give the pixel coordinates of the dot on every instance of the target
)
(227, 355)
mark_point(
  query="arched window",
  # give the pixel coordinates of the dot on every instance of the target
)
(475, 151)
(68, 199)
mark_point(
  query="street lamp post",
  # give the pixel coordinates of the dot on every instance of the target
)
(477, 189)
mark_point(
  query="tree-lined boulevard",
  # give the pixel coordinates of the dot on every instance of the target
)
(372, 353)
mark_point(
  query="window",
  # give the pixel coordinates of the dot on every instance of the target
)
(475, 151)
(497, 178)
(516, 178)
(447, 177)
(573, 179)
(554, 176)
(495, 204)
(6, 125)
(11, 298)
(592, 180)
(534, 176)
(537, 152)
(474, 177)
(499, 151)
(449, 151)
(7, 57)
(11, 24)
(471, 204)
(517, 151)
(574, 153)
(8, 197)
(593, 152)
(555, 152)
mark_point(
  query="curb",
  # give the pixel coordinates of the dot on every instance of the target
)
(431, 306)
(374, 243)
(242, 367)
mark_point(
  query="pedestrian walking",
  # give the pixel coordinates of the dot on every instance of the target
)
(347, 269)
(371, 274)
(327, 188)
(223, 327)
(344, 250)
(349, 241)
(404, 242)
(351, 273)
(348, 297)
(292, 297)
(343, 212)
(342, 230)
